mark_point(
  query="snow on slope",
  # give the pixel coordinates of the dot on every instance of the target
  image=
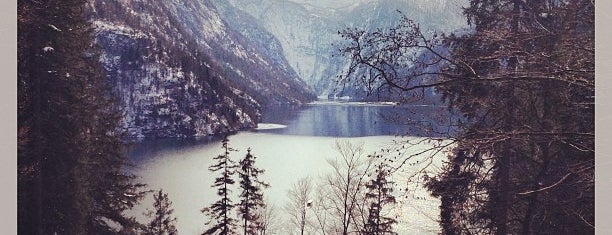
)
(308, 28)
(179, 70)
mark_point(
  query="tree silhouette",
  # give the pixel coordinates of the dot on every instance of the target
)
(220, 211)
(379, 195)
(251, 197)
(522, 84)
(342, 192)
(162, 222)
(71, 167)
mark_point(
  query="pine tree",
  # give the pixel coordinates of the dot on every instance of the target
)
(251, 197)
(542, 108)
(379, 195)
(452, 187)
(522, 82)
(220, 211)
(71, 168)
(162, 222)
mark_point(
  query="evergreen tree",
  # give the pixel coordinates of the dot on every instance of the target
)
(452, 190)
(220, 211)
(522, 81)
(251, 197)
(163, 222)
(379, 195)
(541, 109)
(70, 163)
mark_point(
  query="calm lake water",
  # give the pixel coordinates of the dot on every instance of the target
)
(300, 141)
(324, 119)
(356, 119)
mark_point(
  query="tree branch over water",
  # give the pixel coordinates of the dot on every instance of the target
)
(521, 80)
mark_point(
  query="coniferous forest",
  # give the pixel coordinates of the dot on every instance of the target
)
(513, 129)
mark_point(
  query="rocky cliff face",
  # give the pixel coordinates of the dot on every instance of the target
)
(179, 69)
(307, 29)
(185, 68)
(304, 35)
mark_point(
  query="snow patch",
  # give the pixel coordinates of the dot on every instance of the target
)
(269, 126)
(351, 103)
(48, 49)
(118, 29)
(55, 28)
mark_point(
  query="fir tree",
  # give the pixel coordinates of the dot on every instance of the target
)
(221, 221)
(523, 85)
(70, 162)
(379, 194)
(251, 197)
(452, 187)
(163, 222)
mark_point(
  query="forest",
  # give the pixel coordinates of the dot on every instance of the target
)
(521, 81)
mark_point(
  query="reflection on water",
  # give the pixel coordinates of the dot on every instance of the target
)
(350, 120)
(146, 149)
(326, 119)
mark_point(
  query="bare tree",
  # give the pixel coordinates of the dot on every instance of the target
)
(320, 211)
(268, 222)
(522, 82)
(344, 188)
(300, 196)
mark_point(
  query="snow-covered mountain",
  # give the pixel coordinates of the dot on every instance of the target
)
(192, 67)
(307, 29)
(180, 69)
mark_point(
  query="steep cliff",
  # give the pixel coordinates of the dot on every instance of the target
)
(308, 29)
(179, 70)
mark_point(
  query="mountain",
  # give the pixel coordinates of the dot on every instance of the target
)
(194, 68)
(180, 70)
(304, 36)
(307, 29)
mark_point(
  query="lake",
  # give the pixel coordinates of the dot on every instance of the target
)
(290, 144)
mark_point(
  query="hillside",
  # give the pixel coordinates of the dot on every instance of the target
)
(179, 70)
